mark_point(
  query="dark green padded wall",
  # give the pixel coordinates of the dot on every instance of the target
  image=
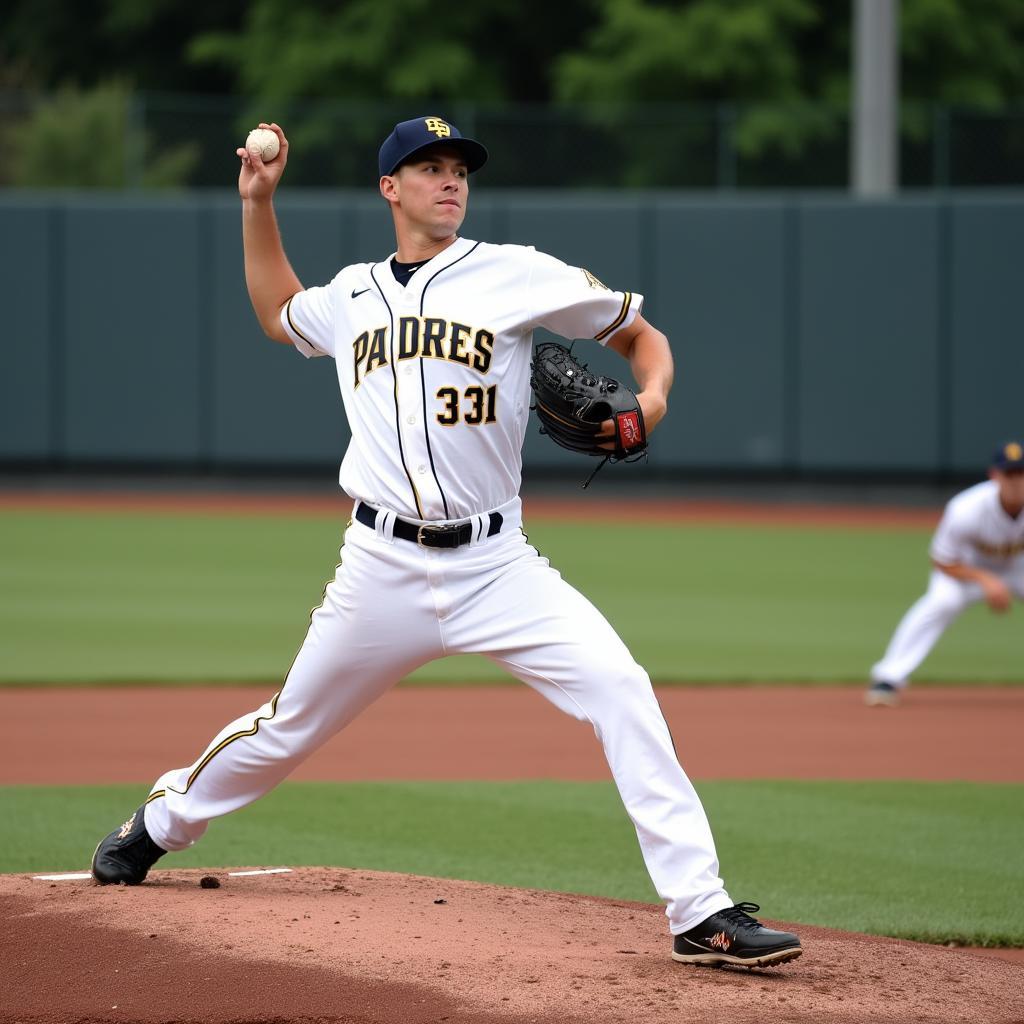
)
(720, 297)
(986, 328)
(31, 286)
(131, 324)
(868, 286)
(811, 333)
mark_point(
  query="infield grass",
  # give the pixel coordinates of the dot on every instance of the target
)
(135, 597)
(935, 862)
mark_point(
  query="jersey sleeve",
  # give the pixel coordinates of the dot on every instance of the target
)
(308, 319)
(949, 543)
(571, 302)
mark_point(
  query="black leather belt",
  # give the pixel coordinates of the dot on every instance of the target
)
(451, 535)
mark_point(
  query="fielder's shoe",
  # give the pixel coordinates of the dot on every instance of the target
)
(732, 936)
(882, 695)
(127, 854)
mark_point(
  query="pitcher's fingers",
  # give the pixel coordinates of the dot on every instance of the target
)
(278, 131)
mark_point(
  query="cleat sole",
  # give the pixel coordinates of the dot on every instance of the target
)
(780, 956)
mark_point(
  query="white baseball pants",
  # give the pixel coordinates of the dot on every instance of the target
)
(393, 606)
(927, 619)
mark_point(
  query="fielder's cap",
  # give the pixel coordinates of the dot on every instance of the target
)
(409, 137)
(1009, 456)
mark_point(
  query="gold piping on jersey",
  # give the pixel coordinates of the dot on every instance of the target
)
(255, 727)
(423, 378)
(398, 417)
(397, 429)
(291, 324)
(614, 325)
(220, 746)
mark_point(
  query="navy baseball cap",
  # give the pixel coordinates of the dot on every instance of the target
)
(1009, 456)
(409, 137)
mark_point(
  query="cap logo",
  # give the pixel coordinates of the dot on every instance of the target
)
(440, 128)
(1013, 452)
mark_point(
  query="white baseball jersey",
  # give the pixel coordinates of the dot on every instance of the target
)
(976, 530)
(435, 375)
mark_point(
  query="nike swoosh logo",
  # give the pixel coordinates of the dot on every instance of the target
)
(355, 295)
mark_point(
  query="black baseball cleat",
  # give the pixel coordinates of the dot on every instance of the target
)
(882, 695)
(732, 936)
(127, 854)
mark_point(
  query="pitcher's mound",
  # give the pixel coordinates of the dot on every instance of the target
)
(330, 945)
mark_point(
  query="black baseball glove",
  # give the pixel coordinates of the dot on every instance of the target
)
(572, 404)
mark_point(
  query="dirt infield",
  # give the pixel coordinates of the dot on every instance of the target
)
(319, 945)
(357, 946)
(971, 733)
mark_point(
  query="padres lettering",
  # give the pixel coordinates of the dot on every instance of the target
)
(424, 338)
(1008, 550)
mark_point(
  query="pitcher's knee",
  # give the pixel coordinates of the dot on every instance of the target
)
(946, 606)
(619, 675)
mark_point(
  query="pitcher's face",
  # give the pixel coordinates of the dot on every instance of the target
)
(1011, 487)
(431, 191)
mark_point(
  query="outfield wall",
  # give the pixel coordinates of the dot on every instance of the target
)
(812, 333)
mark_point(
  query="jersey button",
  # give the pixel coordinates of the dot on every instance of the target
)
(411, 420)
(421, 469)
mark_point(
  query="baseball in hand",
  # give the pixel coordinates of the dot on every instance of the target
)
(264, 140)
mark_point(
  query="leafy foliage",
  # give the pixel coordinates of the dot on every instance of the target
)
(404, 49)
(963, 53)
(778, 70)
(87, 138)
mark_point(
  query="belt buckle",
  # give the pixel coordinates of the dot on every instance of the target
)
(423, 533)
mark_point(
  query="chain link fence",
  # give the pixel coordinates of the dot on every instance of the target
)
(118, 139)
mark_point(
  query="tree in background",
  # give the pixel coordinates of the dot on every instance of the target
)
(89, 139)
(46, 44)
(782, 65)
(785, 64)
(778, 69)
(481, 52)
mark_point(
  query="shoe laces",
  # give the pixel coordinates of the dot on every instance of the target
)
(739, 915)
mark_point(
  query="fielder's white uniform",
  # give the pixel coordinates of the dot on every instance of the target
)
(435, 381)
(975, 530)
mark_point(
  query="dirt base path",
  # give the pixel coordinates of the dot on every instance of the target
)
(60, 736)
(323, 946)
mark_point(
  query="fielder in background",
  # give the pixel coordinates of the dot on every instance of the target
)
(977, 554)
(432, 348)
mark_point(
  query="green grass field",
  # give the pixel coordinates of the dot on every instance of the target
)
(139, 597)
(936, 863)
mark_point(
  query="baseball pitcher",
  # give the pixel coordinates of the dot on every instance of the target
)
(432, 347)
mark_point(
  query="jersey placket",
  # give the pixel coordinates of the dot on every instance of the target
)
(410, 401)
